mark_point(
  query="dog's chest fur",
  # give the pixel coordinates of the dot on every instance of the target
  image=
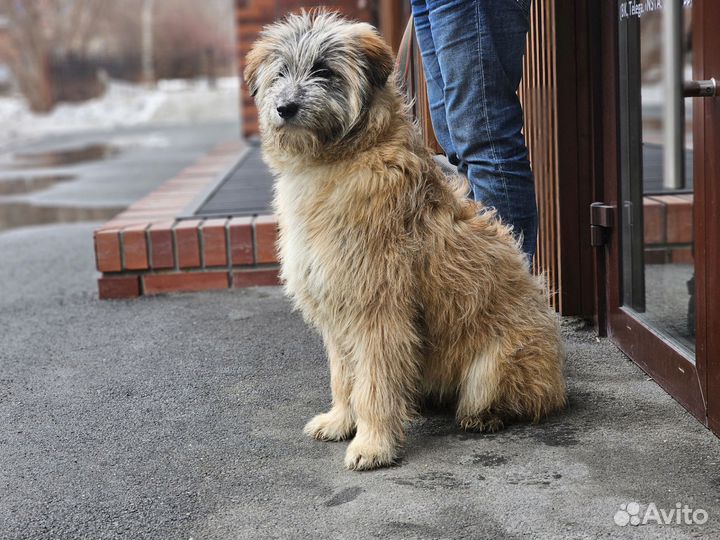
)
(313, 243)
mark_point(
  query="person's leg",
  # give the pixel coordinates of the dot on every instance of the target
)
(479, 46)
(435, 84)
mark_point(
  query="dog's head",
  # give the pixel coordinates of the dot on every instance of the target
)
(313, 76)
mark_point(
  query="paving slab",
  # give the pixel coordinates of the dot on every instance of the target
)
(136, 160)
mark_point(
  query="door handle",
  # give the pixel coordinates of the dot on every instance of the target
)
(701, 88)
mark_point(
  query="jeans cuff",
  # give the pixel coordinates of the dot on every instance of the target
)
(525, 5)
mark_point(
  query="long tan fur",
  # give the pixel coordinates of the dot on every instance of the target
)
(415, 290)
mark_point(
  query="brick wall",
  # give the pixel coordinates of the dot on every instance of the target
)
(252, 15)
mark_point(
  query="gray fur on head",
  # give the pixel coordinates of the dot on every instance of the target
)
(314, 76)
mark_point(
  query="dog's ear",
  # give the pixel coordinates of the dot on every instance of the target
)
(378, 54)
(254, 59)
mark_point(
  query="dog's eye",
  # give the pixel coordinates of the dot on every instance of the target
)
(281, 74)
(321, 70)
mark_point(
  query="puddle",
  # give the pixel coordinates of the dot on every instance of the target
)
(14, 215)
(30, 184)
(69, 156)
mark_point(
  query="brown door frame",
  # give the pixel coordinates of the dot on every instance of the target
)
(706, 122)
(695, 385)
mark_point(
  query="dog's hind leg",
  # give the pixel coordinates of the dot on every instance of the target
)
(532, 384)
(338, 423)
(479, 391)
(524, 385)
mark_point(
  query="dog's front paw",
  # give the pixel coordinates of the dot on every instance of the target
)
(363, 454)
(330, 426)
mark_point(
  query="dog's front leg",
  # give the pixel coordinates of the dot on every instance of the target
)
(338, 423)
(385, 380)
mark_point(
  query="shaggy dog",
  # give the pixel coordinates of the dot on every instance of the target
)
(415, 290)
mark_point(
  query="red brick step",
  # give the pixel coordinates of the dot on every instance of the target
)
(147, 250)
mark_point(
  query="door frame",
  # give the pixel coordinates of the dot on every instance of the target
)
(706, 122)
(695, 385)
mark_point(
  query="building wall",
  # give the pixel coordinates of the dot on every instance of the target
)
(252, 15)
(562, 128)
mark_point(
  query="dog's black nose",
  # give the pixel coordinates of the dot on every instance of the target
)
(288, 110)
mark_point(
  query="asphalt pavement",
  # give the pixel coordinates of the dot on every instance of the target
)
(181, 417)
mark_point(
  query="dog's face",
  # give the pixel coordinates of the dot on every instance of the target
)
(313, 75)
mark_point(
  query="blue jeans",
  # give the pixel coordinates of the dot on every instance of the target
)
(472, 54)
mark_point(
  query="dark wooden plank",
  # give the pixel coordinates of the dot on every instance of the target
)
(557, 97)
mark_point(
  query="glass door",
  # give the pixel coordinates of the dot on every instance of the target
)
(656, 157)
(665, 210)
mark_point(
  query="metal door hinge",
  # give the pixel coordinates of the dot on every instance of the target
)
(602, 219)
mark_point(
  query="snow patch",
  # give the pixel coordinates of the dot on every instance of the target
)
(125, 104)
